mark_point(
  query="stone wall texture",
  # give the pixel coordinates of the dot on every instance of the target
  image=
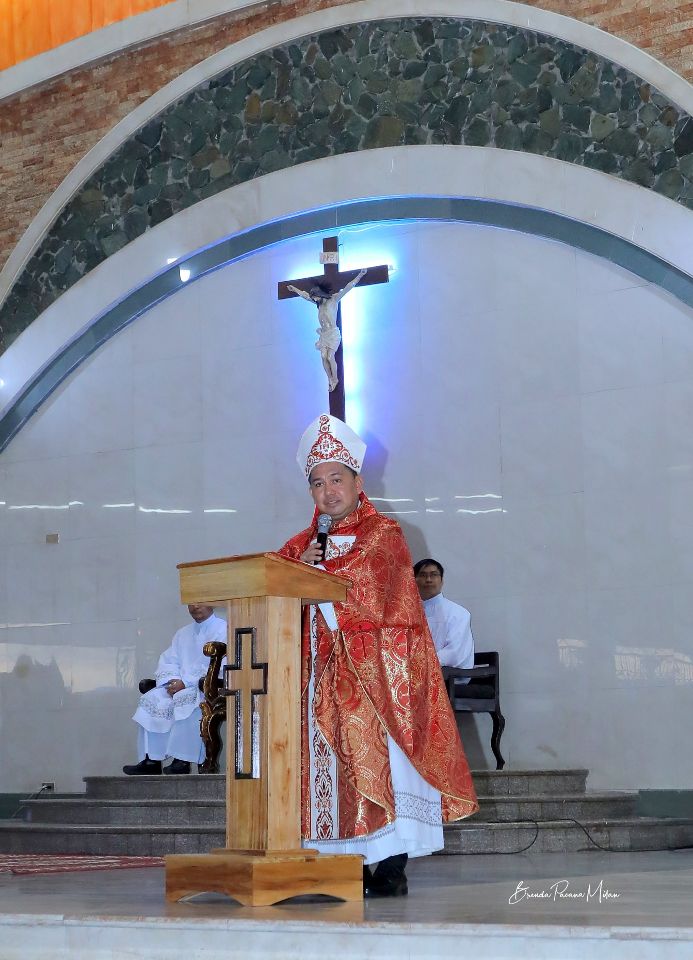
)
(44, 132)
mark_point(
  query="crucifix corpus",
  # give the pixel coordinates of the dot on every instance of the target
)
(325, 292)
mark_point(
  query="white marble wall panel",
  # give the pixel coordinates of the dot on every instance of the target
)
(177, 420)
(678, 436)
(102, 491)
(543, 545)
(675, 609)
(528, 413)
(101, 401)
(541, 448)
(100, 582)
(680, 530)
(470, 290)
(553, 626)
(623, 436)
(537, 347)
(470, 535)
(467, 441)
(521, 281)
(37, 499)
(627, 540)
(561, 738)
(36, 578)
(677, 337)
(620, 341)
(657, 745)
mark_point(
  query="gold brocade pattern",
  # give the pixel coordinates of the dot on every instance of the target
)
(377, 675)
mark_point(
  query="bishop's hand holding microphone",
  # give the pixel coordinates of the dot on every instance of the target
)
(316, 551)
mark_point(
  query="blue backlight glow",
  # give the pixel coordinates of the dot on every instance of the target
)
(356, 320)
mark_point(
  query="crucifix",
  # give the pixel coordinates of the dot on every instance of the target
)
(325, 292)
(245, 680)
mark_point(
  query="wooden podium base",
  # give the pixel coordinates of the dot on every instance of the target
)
(259, 879)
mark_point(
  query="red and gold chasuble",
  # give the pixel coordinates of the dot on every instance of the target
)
(376, 674)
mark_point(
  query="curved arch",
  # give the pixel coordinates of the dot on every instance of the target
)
(39, 289)
(473, 186)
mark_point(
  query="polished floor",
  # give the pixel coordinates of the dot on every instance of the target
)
(631, 905)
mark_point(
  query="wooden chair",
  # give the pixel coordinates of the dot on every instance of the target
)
(480, 695)
(213, 706)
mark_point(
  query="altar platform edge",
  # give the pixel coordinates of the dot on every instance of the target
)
(457, 906)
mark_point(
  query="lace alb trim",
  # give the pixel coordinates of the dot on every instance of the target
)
(157, 708)
(410, 807)
(163, 709)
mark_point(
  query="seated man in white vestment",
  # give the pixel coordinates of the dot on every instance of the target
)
(168, 716)
(450, 623)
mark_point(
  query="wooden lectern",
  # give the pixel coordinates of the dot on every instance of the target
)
(263, 861)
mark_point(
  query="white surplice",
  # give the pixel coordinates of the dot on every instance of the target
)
(451, 628)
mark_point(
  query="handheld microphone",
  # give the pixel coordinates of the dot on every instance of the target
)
(324, 524)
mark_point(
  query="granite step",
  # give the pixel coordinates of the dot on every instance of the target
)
(161, 815)
(580, 806)
(107, 840)
(192, 787)
(504, 783)
(620, 835)
(180, 812)
(116, 813)
(469, 837)
(489, 783)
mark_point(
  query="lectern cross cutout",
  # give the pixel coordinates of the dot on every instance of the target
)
(333, 281)
(246, 679)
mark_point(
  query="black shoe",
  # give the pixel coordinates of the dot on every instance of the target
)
(176, 767)
(388, 879)
(387, 888)
(367, 879)
(145, 768)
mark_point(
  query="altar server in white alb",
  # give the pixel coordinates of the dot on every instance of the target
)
(168, 716)
(450, 623)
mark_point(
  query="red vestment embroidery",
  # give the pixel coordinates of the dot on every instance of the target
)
(378, 674)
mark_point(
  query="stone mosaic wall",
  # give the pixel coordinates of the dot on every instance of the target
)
(409, 81)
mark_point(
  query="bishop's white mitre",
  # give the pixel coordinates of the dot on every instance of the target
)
(328, 440)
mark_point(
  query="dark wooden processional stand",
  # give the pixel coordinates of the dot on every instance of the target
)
(263, 861)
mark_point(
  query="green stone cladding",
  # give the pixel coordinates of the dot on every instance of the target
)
(381, 84)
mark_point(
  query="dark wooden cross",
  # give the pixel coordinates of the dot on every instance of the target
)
(245, 679)
(331, 281)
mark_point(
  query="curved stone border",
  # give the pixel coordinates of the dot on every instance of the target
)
(535, 222)
(502, 11)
